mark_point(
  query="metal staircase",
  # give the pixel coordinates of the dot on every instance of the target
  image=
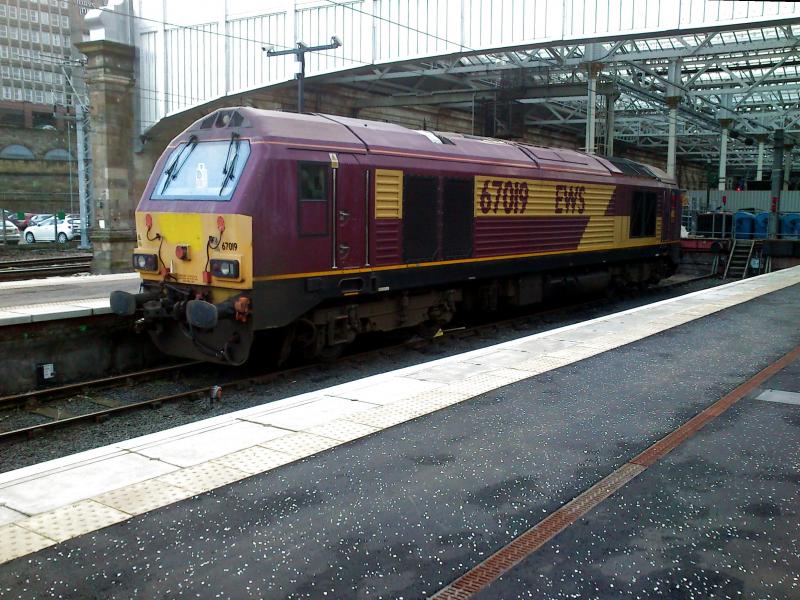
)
(739, 259)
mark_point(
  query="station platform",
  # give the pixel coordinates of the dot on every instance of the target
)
(653, 452)
(57, 298)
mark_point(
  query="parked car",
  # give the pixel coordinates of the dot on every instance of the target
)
(12, 234)
(36, 219)
(45, 231)
(13, 216)
(75, 221)
(21, 223)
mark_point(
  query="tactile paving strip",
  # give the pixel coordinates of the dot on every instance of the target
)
(385, 416)
(488, 382)
(302, 444)
(71, 521)
(16, 541)
(203, 477)
(142, 497)
(255, 460)
(342, 430)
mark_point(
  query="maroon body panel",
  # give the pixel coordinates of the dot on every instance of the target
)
(533, 234)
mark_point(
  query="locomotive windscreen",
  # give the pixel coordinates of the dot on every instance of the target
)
(202, 170)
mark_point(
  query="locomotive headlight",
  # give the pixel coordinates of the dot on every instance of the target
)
(145, 262)
(228, 269)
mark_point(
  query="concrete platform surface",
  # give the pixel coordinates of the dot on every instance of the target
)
(60, 297)
(512, 432)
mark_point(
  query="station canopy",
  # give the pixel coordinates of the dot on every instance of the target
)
(742, 78)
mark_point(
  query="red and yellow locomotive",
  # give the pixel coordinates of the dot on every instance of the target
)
(322, 227)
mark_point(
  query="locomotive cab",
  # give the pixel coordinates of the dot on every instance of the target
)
(194, 245)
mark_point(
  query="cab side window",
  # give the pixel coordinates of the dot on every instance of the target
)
(312, 199)
(643, 214)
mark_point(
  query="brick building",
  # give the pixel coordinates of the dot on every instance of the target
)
(36, 37)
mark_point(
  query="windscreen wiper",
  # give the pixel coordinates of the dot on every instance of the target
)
(229, 169)
(174, 168)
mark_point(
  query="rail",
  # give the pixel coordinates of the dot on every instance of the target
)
(36, 268)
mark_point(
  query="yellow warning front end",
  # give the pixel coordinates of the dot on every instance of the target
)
(197, 249)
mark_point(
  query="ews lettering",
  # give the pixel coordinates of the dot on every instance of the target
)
(569, 199)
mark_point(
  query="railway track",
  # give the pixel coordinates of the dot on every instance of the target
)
(36, 268)
(36, 401)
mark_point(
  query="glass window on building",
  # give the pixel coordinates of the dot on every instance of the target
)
(38, 96)
(5, 71)
(64, 21)
(25, 35)
(12, 12)
(45, 19)
(23, 14)
(8, 93)
(34, 16)
(45, 38)
(3, 51)
(3, 31)
(3, 11)
(35, 37)
(13, 33)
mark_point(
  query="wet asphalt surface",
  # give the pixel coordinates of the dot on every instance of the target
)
(717, 518)
(404, 512)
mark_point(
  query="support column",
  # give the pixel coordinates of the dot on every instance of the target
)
(110, 80)
(787, 166)
(672, 139)
(610, 116)
(777, 176)
(723, 154)
(590, 115)
(760, 158)
(674, 93)
(591, 109)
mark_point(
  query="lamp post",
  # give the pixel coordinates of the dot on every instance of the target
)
(300, 56)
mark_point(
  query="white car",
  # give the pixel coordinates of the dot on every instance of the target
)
(11, 236)
(45, 231)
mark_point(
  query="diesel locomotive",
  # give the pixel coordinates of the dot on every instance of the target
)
(317, 228)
